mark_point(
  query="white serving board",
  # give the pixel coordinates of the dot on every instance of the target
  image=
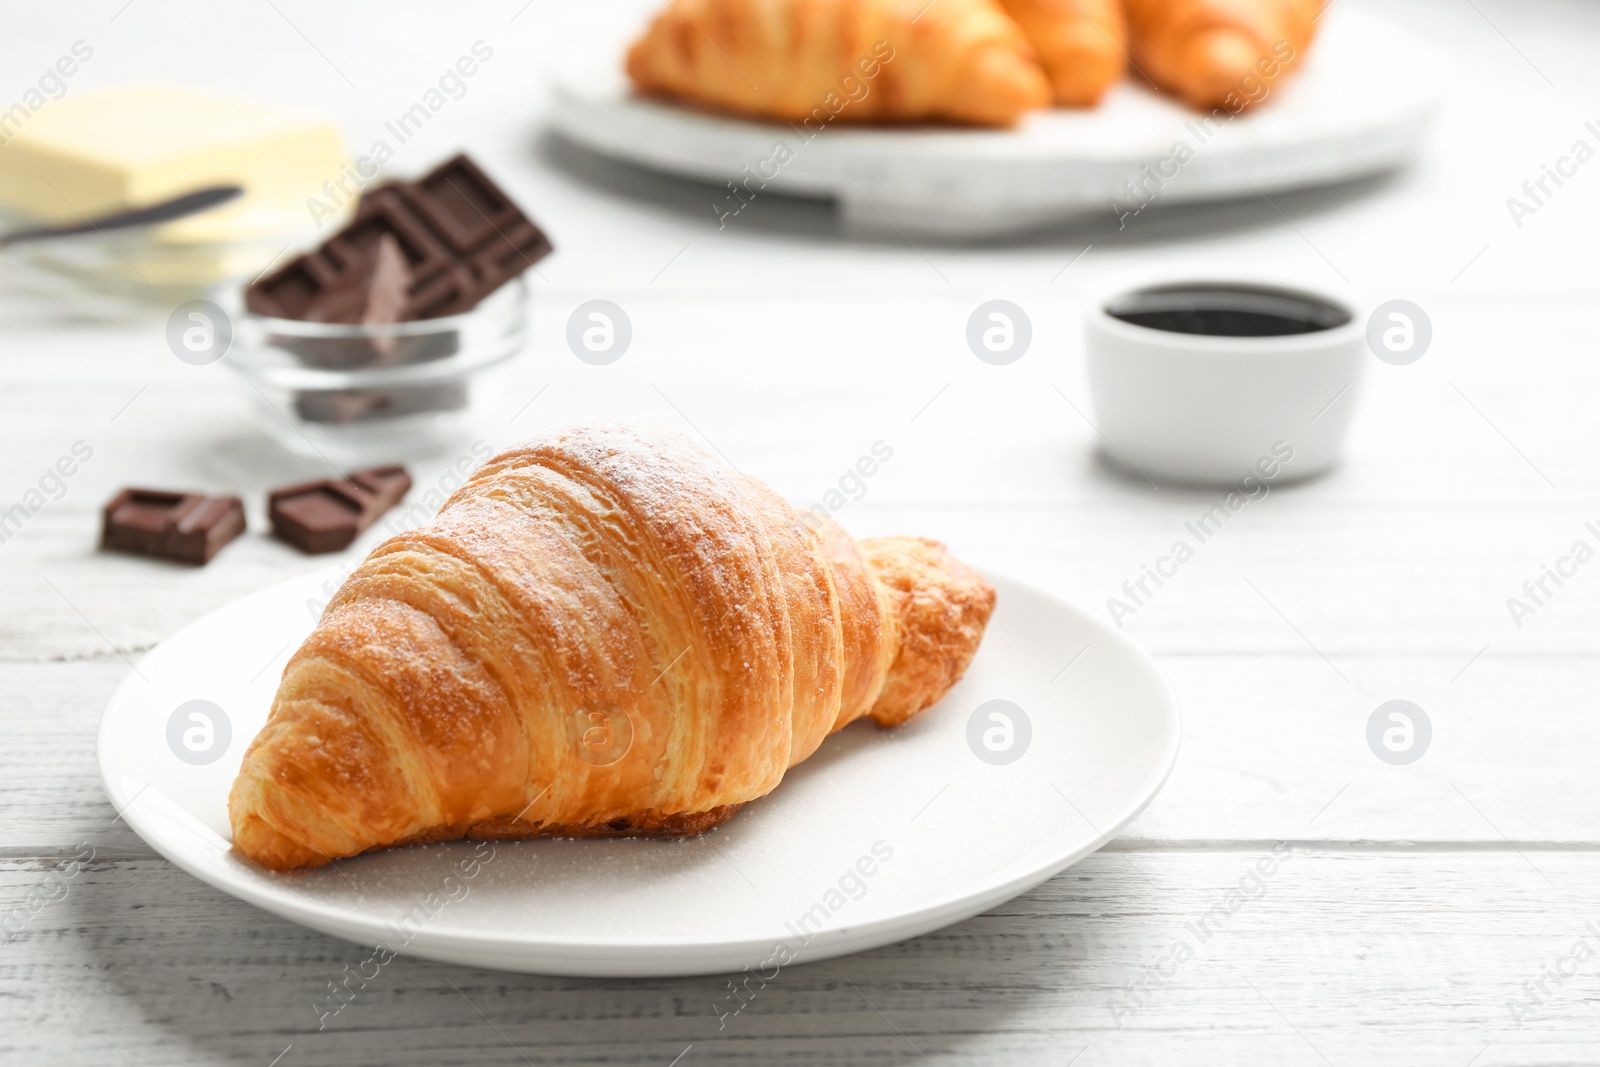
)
(1357, 106)
(962, 834)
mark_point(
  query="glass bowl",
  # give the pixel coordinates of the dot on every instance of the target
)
(359, 394)
(135, 269)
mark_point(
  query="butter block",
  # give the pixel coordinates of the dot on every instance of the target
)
(135, 145)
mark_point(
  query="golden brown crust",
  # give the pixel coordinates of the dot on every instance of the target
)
(1082, 44)
(822, 61)
(1219, 53)
(603, 633)
(870, 636)
(941, 606)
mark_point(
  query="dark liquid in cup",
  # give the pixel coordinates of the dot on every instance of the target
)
(1227, 311)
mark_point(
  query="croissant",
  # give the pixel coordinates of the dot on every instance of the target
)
(602, 633)
(1081, 43)
(819, 61)
(1219, 53)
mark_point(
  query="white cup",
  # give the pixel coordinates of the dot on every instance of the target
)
(1201, 408)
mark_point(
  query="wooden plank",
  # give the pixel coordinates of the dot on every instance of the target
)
(1384, 583)
(1341, 957)
(1420, 541)
(1274, 747)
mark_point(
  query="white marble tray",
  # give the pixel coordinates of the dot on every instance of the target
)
(1358, 106)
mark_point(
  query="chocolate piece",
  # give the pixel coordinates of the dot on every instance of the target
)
(478, 222)
(374, 350)
(366, 405)
(461, 236)
(322, 516)
(287, 293)
(450, 292)
(327, 515)
(388, 485)
(316, 291)
(187, 527)
(375, 295)
(386, 213)
(388, 287)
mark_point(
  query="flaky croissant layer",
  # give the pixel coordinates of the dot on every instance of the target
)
(603, 632)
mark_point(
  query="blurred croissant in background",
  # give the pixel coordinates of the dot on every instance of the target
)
(958, 61)
(1214, 53)
(972, 62)
(1083, 44)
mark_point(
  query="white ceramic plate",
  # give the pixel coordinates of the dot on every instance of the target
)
(879, 836)
(1357, 107)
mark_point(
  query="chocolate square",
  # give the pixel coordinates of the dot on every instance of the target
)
(322, 516)
(462, 205)
(199, 535)
(388, 485)
(352, 247)
(187, 527)
(327, 515)
(452, 292)
(519, 246)
(478, 222)
(290, 290)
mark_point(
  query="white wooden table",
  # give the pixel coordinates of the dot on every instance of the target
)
(1431, 913)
